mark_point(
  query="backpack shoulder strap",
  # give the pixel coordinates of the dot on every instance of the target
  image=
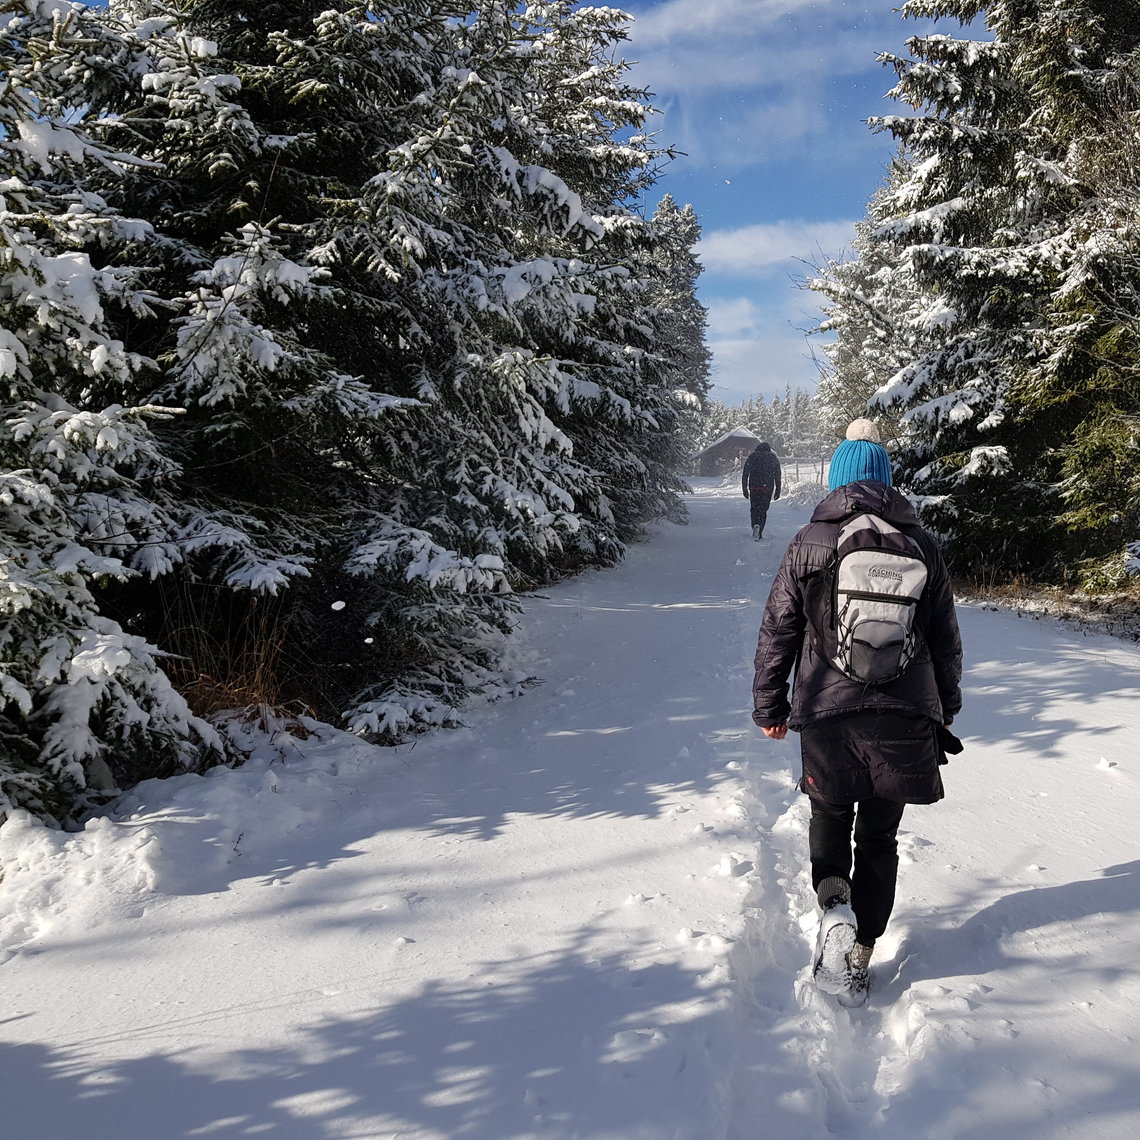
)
(868, 529)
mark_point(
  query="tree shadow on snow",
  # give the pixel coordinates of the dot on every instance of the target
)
(558, 1045)
(1023, 678)
(981, 944)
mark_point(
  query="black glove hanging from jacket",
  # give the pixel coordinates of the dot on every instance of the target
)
(948, 744)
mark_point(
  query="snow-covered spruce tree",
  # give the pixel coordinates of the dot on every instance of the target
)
(318, 559)
(530, 280)
(759, 417)
(680, 318)
(799, 423)
(84, 705)
(467, 230)
(778, 419)
(714, 423)
(404, 375)
(1083, 394)
(468, 238)
(980, 215)
(951, 207)
(619, 405)
(548, 278)
(871, 310)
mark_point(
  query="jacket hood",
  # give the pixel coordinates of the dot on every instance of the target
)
(763, 447)
(866, 495)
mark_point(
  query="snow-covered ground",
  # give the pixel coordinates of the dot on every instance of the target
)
(587, 914)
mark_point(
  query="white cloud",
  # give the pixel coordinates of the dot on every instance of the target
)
(733, 316)
(734, 132)
(736, 79)
(692, 45)
(761, 366)
(716, 19)
(756, 251)
(759, 349)
(766, 63)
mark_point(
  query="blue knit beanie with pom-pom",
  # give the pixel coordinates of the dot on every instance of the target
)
(859, 456)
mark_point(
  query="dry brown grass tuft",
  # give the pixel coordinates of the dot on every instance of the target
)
(1116, 614)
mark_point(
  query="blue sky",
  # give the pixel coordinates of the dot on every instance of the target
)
(767, 98)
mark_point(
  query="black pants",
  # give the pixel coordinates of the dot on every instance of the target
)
(874, 823)
(759, 499)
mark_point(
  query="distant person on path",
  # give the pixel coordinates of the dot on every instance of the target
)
(868, 748)
(760, 480)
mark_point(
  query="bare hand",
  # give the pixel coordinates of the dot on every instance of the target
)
(775, 731)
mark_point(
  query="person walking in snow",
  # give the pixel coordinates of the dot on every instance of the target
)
(868, 749)
(760, 481)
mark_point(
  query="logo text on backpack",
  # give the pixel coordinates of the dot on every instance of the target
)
(885, 572)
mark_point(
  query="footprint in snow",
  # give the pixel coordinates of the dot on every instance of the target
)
(732, 866)
(717, 943)
(910, 845)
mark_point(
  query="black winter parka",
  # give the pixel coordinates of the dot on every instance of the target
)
(762, 469)
(929, 688)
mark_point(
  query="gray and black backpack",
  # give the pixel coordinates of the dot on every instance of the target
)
(861, 607)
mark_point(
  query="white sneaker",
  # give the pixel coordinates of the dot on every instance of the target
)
(756, 534)
(833, 946)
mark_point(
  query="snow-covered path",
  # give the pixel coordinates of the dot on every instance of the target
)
(586, 915)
